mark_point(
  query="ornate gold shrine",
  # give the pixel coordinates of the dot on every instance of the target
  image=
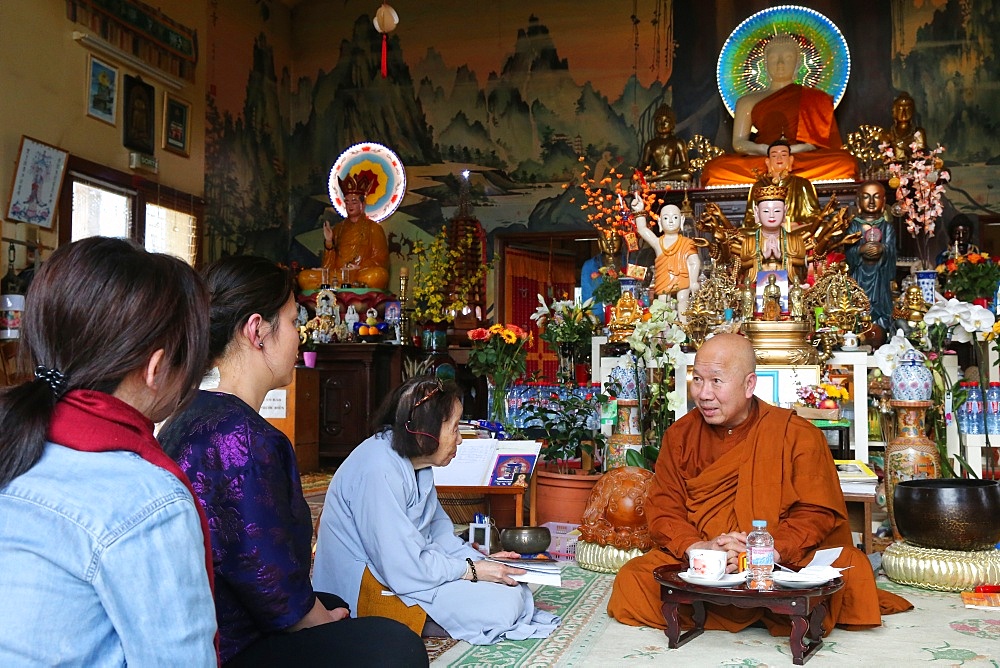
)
(781, 342)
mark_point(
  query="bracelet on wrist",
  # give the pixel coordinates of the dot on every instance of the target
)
(472, 568)
(327, 246)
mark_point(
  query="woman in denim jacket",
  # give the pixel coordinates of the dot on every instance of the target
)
(103, 558)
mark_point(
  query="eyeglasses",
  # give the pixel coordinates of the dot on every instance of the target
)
(434, 390)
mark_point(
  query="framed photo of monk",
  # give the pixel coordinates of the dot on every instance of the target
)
(175, 135)
(138, 115)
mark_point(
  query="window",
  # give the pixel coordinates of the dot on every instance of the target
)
(172, 232)
(97, 200)
(100, 209)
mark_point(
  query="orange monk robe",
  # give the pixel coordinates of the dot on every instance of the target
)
(803, 115)
(671, 266)
(361, 241)
(776, 467)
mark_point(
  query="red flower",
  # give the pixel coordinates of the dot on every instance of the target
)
(518, 332)
(951, 265)
(975, 258)
(480, 334)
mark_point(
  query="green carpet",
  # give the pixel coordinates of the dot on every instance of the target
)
(940, 631)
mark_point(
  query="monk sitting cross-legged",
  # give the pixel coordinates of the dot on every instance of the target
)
(734, 460)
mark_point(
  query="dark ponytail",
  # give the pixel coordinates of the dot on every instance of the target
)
(95, 313)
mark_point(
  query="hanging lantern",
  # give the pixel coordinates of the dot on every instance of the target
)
(386, 19)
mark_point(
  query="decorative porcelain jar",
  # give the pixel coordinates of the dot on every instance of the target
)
(911, 455)
(911, 379)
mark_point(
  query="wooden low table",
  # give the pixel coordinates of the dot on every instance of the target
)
(806, 607)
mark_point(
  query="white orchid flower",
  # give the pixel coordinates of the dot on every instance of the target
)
(888, 355)
(943, 313)
(973, 320)
(542, 311)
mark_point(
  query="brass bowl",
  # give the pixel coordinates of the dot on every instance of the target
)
(526, 540)
(948, 514)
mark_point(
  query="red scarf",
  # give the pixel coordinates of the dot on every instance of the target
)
(92, 421)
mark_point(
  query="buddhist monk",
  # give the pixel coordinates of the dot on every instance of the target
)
(733, 460)
(357, 244)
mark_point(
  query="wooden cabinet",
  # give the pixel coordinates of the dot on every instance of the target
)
(354, 378)
(299, 420)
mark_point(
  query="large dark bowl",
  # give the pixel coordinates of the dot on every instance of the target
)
(948, 514)
(526, 540)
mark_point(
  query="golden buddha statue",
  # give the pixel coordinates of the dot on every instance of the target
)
(796, 299)
(665, 156)
(903, 133)
(783, 107)
(772, 299)
(356, 249)
(623, 317)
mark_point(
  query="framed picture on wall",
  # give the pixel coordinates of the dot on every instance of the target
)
(176, 125)
(102, 90)
(138, 115)
(37, 180)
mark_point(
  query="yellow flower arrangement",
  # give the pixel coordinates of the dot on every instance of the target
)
(442, 281)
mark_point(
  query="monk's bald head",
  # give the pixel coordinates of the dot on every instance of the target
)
(733, 350)
(723, 380)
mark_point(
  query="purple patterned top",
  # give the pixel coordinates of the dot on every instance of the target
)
(244, 473)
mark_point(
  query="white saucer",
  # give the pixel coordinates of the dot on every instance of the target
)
(798, 580)
(729, 580)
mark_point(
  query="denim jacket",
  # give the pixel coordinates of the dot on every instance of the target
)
(102, 563)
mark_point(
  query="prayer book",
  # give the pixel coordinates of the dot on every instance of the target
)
(543, 572)
(487, 461)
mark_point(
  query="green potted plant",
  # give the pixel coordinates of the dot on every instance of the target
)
(308, 348)
(568, 328)
(570, 422)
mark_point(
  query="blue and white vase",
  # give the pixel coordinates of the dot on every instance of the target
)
(911, 379)
(927, 280)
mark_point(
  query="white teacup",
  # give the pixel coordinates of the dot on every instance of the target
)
(850, 340)
(708, 564)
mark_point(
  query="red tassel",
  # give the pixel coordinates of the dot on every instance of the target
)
(385, 64)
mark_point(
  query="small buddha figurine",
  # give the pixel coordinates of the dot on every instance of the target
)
(910, 309)
(796, 299)
(665, 156)
(903, 133)
(747, 301)
(678, 264)
(623, 317)
(772, 298)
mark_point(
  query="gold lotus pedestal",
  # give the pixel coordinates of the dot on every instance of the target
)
(783, 342)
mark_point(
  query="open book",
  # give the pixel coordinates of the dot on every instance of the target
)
(487, 461)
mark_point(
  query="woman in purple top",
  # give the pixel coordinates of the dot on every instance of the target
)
(244, 473)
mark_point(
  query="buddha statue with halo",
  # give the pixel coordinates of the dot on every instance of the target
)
(783, 108)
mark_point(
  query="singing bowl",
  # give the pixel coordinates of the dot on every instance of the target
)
(526, 540)
(948, 514)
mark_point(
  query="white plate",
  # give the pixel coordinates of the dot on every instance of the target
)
(798, 580)
(728, 580)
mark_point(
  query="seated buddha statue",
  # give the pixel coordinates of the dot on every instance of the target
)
(623, 317)
(903, 133)
(357, 246)
(665, 156)
(802, 114)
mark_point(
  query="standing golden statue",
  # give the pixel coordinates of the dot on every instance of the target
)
(903, 133)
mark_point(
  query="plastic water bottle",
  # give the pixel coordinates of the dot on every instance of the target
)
(760, 558)
(974, 416)
(993, 409)
(962, 412)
